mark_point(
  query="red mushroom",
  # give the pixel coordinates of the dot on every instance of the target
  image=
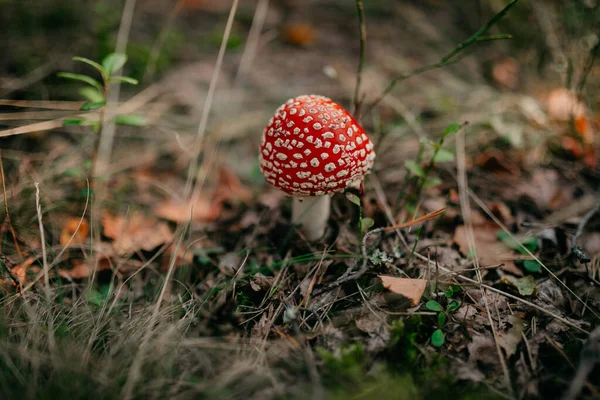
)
(312, 148)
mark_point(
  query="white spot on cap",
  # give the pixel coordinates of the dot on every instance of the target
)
(300, 145)
(317, 126)
(314, 162)
(359, 140)
(328, 135)
(302, 112)
(303, 165)
(296, 131)
(369, 146)
(342, 138)
(318, 143)
(307, 119)
(307, 152)
(293, 111)
(342, 173)
(324, 156)
(297, 156)
(329, 167)
(336, 149)
(309, 139)
(303, 174)
(281, 156)
(327, 145)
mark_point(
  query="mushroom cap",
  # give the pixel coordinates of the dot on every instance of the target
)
(312, 146)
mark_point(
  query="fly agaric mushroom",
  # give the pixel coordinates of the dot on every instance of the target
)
(312, 148)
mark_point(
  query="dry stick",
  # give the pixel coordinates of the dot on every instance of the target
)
(348, 275)
(104, 145)
(451, 57)
(38, 208)
(466, 213)
(134, 372)
(356, 101)
(251, 47)
(8, 221)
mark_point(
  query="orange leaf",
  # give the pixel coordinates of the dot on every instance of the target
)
(136, 232)
(563, 104)
(299, 34)
(412, 289)
(202, 211)
(73, 229)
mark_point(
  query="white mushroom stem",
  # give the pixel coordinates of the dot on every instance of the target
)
(311, 213)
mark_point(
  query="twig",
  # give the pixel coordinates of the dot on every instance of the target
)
(575, 249)
(361, 62)
(42, 239)
(8, 221)
(451, 57)
(588, 67)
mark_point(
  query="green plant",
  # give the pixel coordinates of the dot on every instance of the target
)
(420, 174)
(438, 336)
(97, 91)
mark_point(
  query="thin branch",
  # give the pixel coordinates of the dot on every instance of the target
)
(8, 221)
(453, 56)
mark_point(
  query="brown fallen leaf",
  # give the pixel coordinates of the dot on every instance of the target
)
(203, 210)
(136, 232)
(490, 250)
(230, 188)
(563, 104)
(299, 34)
(74, 228)
(412, 289)
(506, 72)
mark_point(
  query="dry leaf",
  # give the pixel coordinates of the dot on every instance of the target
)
(299, 34)
(489, 248)
(136, 232)
(562, 104)
(74, 228)
(230, 188)
(506, 73)
(412, 289)
(203, 210)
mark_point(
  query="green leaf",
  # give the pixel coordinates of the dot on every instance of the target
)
(353, 198)
(367, 223)
(433, 181)
(434, 306)
(125, 79)
(532, 265)
(91, 94)
(113, 62)
(448, 293)
(455, 288)
(88, 105)
(131, 120)
(72, 121)
(529, 242)
(453, 306)
(72, 172)
(438, 338)
(441, 319)
(443, 156)
(82, 78)
(413, 167)
(90, 62)
(451, 129)
(525, 286)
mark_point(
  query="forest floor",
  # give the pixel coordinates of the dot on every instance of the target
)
(175, 271)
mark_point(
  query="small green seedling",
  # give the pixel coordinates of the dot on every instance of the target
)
(438, 337)
(96, 92)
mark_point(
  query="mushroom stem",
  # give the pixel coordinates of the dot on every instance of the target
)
(311, 213)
